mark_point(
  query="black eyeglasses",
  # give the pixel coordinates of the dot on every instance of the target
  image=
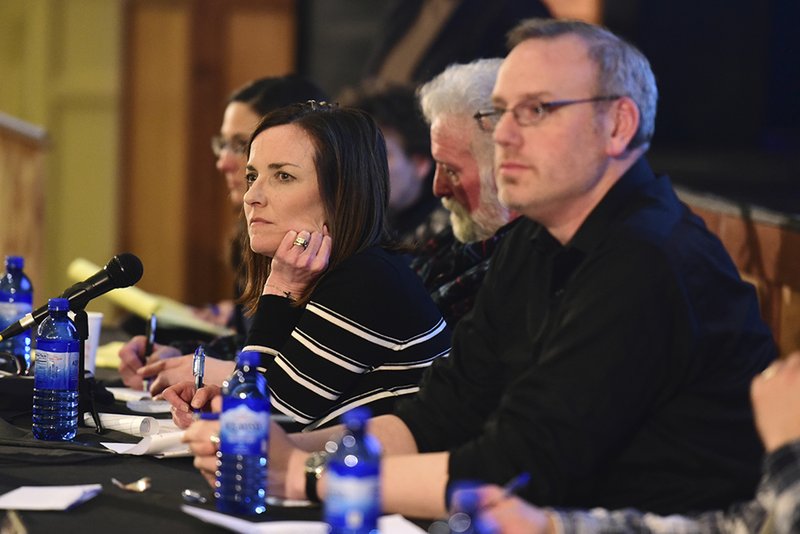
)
(237, 146)
(530, 112)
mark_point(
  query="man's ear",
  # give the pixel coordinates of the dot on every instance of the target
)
(422, 166)
(623, 120)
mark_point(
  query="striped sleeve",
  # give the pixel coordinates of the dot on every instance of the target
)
(365, 338)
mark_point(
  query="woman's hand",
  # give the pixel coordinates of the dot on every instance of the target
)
(203, 440)
(185, 400)
(296, 267)
(171, 371)
(131, 358)
(286, 465)
(218, 314)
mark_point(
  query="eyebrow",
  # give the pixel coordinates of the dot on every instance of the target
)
(273, 166)
(525, 97)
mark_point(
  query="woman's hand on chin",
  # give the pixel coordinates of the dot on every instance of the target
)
(300, 260)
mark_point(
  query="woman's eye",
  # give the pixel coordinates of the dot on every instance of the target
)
(283, 177)
(250, 177)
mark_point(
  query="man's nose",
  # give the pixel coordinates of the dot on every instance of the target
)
(441, 184)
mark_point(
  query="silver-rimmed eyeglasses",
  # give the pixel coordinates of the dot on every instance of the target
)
(237, 146)
(530, 112)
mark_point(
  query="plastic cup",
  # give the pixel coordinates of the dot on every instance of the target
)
(95, 322)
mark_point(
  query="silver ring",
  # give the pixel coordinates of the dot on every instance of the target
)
(300, 242)
(214, 439)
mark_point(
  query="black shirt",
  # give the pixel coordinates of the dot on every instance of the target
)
(614, 369)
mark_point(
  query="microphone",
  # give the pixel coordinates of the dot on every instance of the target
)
(122, 270)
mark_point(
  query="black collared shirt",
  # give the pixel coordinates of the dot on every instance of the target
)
(615, 369)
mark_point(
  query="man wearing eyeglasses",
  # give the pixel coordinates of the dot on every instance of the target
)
(611, 345)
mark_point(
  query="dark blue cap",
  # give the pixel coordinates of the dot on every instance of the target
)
(248, 357)
(15, 262)
(58, 304)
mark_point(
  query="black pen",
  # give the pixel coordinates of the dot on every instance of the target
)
(199, 366)
(150, 340)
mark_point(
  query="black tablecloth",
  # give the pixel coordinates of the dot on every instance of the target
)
(25, 461)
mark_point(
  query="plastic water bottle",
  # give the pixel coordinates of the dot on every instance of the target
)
(55, 383)
(16, 301)
(241, 486)
(353, 499)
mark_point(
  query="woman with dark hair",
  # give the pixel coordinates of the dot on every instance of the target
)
(340, 319)
(244, 109)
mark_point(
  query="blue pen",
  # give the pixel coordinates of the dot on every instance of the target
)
(516, 484)
(199, 366)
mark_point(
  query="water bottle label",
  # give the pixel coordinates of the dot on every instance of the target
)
(352, 502)
(244, 431)
(56, 370)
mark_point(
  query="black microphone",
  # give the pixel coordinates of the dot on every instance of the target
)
(122, 271)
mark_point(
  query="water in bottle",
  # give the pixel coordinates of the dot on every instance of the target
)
(244, 434)
(55, 383)
(16, 300)
(353, 500)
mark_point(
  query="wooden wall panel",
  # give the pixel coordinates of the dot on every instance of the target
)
(22, 151)
(153, 204)
(768, 255)
(183, 60)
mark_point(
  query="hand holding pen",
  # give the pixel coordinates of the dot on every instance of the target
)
(198, 366)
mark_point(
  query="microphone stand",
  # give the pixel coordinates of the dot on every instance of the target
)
(86, 400)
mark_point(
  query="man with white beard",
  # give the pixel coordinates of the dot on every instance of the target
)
(453, 263)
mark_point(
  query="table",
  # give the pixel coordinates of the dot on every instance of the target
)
(27, 462)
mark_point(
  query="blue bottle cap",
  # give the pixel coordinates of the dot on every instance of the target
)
(358, 416)
(15, 262)
(248, 357)
(58, 304)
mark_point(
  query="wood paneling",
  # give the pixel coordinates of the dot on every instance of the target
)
(183, 58)
(22, 150)
(768, 255)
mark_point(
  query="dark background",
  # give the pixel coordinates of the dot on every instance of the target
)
(728, 73)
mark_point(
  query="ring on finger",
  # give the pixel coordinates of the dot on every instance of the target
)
(214, 439)
(300, 242)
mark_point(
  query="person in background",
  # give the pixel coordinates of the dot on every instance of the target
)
(775, 395)
(414, 213)
(245, 107)
(612, 343)
(341, 320)
(453, 262)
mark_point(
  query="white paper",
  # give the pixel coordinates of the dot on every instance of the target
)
(387, 524)
(148, 406)
(48, 497)
(128, 394)
(166, 445)
(135, 425)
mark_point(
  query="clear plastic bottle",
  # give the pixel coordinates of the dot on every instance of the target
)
(16, 301)
(55, 385)
(244, 435)
(353, 499)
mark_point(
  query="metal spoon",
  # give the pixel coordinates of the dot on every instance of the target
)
(137, 486)
(193, 497)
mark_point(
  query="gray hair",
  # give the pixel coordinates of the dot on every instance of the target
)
(459, 91)
(622, 68)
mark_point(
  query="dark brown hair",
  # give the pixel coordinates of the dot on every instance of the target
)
(350, 161)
